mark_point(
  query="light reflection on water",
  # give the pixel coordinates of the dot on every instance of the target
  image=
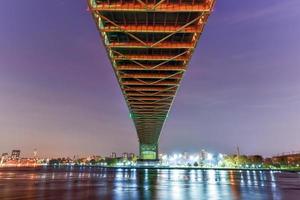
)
(103, 183)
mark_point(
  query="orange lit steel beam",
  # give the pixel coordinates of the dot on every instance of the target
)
(143, 111)
(178, 30)
(151, 76)
(150, 57)
(159, 93)
(142, 3)
(172, 76)
(151, 29)
(157, 4)
(113, 23)
(172, 58)
(138, 116)
(147, 103)
(147, 106)
(163, 7)
(159, 68)
(149, 110)
(154, 106)
(152, 89)
(199, 19)
(150, 99)
(162, 99)
(147, 98)
(142, 90)
(149, 131)
(148, 126)
(141, 122)
(169, 76)
(149, 117)
(150, 121)
(135, 82)
(125, 56)
(141, 95)
(151, 68)
(164, 45)
(154, 92)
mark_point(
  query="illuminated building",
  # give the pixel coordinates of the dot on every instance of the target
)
(125, 156)
(150, 44)
(15, 154)
(287, 159)
(35, 152)
(131, 155)
(113, 155)
(4, 158)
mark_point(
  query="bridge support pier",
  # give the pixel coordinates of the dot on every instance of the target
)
(148, 152)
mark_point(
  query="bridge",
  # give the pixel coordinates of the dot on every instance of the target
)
(150, 43)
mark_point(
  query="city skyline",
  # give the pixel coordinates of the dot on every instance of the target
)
(59, 94)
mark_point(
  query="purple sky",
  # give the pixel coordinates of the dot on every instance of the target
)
(58, 92)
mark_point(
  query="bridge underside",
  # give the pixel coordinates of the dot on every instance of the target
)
(150, 43)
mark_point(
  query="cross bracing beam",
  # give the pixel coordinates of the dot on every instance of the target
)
(151, 29)
(148, 98)
(165, 82)
(159, 68)
(150, 57)
(150, 44)
(151, 76)
(151, 88)
(163, 7)
(163, 45)
(133, 103)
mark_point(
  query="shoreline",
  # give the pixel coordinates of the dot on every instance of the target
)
(38, 167)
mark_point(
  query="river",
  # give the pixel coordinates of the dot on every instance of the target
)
(73, 183)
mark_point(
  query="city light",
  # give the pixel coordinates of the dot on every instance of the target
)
(209, 156)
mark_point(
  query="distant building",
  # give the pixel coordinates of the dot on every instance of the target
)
(203, 155)
(287, 159)
(125, 155)
(5, 155)
(185, 155)
(113, 155)
(15, 154)
(131, 155)
(4, 158)
(35, 152)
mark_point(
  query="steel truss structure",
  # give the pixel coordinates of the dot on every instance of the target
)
(150, 43)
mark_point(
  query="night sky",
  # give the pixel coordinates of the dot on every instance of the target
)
(58, 92)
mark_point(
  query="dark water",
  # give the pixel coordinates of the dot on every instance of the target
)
(163, 184)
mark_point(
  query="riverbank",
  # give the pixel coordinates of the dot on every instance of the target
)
(147, 167)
